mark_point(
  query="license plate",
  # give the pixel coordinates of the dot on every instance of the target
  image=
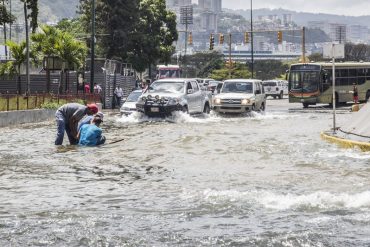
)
(154, 109)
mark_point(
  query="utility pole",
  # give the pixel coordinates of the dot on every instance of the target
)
(252, 52)
(186, 17)
(4, 26)
(334, 96)
(92, 65)
(230, 64)
(303, 45)
(27, 50)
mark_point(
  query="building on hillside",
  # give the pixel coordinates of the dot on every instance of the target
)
(176, 4)
(358, 34)
(336, 31)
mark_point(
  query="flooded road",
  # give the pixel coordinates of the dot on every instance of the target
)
(259, 180)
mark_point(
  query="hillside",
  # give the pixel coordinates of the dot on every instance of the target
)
(49, 11)
(302, 18)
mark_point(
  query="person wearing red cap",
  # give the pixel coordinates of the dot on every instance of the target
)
(67, 118)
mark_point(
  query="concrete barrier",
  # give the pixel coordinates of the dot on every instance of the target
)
(9, 118)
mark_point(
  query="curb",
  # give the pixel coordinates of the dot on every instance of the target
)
(345, 143)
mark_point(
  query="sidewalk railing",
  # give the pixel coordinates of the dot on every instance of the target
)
(13, 102)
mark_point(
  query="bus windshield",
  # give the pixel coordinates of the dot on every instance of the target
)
(169, 73)
(304, 81)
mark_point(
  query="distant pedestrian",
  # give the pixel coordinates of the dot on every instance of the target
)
(118, 94)
(97, 88)
(355, 94)
(87, 88)
(67, 118)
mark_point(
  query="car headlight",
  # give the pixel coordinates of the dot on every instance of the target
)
(246, 101)
(217, 101)
(143, 98)
(173, 101)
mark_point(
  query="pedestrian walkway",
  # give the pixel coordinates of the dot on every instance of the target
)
(354, 133)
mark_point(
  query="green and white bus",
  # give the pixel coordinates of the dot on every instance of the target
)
(311, 83)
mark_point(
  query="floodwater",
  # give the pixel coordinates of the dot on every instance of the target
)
(258, 180)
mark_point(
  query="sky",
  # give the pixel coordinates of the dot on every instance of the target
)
(337, 7)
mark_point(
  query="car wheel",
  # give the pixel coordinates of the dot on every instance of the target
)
(253, 108)
(206, 109)
(281, 95)
(305, 105)
(185, 109)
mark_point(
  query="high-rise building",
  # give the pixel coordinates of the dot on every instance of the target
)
(171, 4)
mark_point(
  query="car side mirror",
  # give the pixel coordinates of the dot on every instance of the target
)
(190, 91)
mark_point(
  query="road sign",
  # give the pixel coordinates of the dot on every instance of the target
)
(333, 50)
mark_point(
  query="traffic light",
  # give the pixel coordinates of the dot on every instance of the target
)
(246, 37)
(190, 38)
(280, 37)
(222, 39)
(211, 42)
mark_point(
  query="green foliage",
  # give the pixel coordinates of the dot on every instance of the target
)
(5, 16)
(201, 64)
(238, 71)
(51, 105)
(54, 42)
(33, 6)
(269, 69)
(139, 31)
(72, 26)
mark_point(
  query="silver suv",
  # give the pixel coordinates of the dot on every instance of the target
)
(274, 88)
(239, 96)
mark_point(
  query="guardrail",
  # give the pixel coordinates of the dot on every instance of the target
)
(14, 102)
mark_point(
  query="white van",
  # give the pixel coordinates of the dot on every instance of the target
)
(274, 88)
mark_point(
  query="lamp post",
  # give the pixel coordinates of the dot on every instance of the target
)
(92, 46)
(252, 52)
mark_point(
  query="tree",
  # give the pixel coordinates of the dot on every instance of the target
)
(269, 69)
(201, 64)
(71, 52)
(238, 71)
(44, 45)
(13, 67)
(139, 31)
(52, 42)
(357, 52)
(5, 16)
(33, 6)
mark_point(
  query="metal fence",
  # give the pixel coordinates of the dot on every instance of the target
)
(108, 74)
(13, 102)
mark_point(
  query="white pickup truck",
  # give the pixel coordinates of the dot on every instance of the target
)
(168, 95)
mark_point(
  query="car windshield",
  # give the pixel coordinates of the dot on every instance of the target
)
(237, 87)
(133, 97)
(167, 86)
(269, 83)
(213, 83)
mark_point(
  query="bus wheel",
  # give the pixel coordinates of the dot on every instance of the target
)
(305, 105)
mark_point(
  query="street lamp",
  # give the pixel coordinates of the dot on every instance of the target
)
(252, 52)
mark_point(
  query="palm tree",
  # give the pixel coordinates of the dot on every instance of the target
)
(13, 67)
(44, 45)
(71, 52)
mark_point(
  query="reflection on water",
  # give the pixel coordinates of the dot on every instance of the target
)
(262, 179)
